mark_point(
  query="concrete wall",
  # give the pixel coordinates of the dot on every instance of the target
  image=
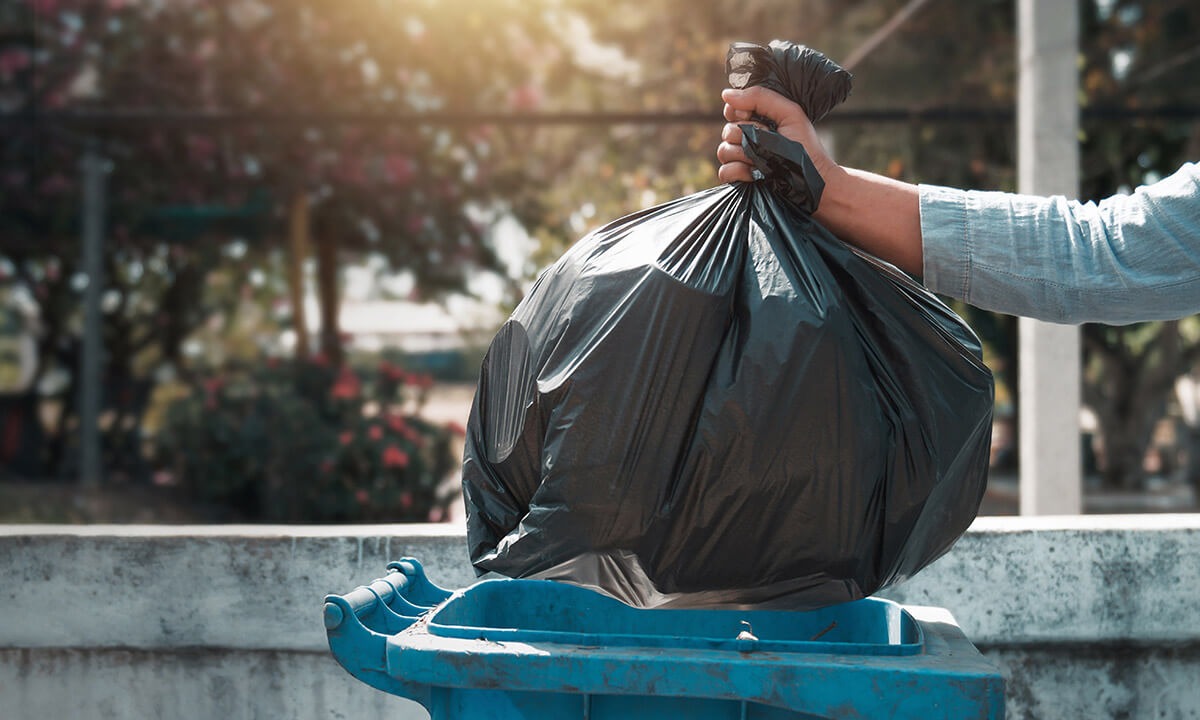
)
(1089, 616)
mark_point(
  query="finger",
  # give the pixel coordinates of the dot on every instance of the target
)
(732, 134)
(730, 153)
(761, 101)
(734, 172)
(734, 115)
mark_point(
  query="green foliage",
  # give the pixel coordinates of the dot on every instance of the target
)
(197, 209)
(307, 442)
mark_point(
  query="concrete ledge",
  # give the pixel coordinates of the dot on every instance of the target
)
(1079, 579)
(251, 587)
(1008, 581)
(1089, 616)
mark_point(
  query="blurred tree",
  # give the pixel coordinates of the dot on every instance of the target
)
(1136, 54)
(192, 195)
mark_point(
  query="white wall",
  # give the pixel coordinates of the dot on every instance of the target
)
(1090, 616)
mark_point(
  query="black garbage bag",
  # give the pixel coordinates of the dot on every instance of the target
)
(715, 401)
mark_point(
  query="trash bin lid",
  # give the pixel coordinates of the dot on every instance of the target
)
(551, 612)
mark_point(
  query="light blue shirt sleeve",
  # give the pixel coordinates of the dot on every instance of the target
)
(1125, 259)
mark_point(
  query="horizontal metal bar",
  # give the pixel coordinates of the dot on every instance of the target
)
(118, 119)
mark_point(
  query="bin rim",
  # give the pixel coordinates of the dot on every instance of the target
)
(905, 636)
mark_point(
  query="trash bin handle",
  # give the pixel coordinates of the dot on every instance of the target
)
(401, 596)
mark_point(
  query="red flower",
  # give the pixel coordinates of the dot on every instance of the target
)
(362, 496)
(410, 434)
(423, 381)
(394, 457)
(346, 437)
(401, 169)
(397, 424)
(347, 386)
(406, 500)
(525, 98)
(375, 432)
(392, 371)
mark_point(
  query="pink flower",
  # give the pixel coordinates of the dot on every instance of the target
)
(401, 169)
(55, 184)
(362, 496)
(11, 61)
(392, 371)
(346, 438)
(347, 386)
(406, 499)
(410, 434)
(395, 457)
(201, 148)
(422, 381)
(375, 432)
(524, 98)
(212, 386)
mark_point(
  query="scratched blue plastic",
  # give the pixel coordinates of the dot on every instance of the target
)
(536, 611)
(525, 649)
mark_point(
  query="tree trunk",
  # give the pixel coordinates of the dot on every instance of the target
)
(1125, 443)
(329, 298)
(298, 238)
(1129, 392)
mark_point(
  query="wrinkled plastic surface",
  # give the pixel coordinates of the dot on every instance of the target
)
(715, 401)
(805, 75)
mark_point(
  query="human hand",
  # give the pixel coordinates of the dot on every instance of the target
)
(789, 118)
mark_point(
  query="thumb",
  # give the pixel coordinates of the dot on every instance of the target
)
(761, 101)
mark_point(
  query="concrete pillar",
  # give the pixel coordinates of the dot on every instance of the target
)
(1048, 164)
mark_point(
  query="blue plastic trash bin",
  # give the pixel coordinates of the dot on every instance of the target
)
(526, 649)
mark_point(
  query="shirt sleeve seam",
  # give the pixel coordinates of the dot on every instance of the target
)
(1107, 291)
(968, 259)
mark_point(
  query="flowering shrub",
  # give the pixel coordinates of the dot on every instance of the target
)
(308, 442)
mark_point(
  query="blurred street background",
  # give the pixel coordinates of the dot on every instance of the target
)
(252, 251)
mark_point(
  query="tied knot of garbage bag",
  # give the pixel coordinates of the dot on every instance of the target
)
(785, 166)
(799, 73)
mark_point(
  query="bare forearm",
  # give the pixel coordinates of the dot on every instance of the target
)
(876, 213)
